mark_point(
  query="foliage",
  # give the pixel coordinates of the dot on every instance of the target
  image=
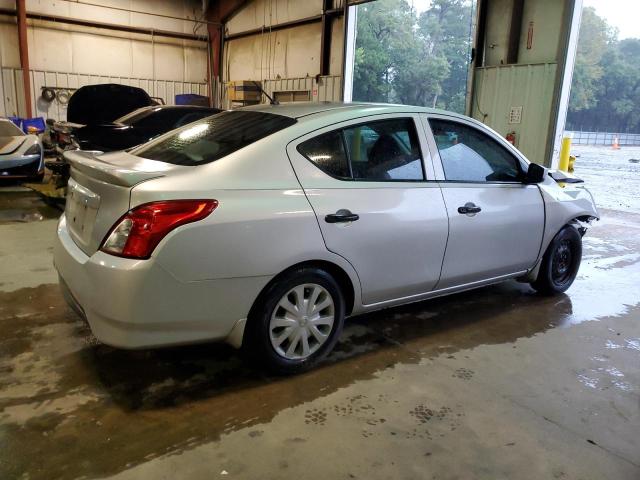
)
(605, 92)
(595, 34)
(418, 60)
(403, 57)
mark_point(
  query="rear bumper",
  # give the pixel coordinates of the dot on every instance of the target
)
(138, 304)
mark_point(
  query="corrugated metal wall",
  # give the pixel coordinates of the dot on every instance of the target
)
(11, 89)
(499, 89)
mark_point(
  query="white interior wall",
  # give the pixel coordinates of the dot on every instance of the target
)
(285, 54)
(60, 47)
(271, 12)
(294, 52)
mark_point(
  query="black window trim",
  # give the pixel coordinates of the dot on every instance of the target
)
(462, 121)
(342, 128)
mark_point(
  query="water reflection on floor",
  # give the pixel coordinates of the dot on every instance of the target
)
(495, 383)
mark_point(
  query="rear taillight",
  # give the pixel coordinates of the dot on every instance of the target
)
(138, 232)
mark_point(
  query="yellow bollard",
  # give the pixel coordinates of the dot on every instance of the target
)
(564, 154)
(572, 162)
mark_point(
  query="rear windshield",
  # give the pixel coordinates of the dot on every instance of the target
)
(213, 137)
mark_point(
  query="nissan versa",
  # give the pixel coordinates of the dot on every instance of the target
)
(267, 226)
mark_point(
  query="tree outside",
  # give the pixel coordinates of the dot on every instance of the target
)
(403, 56)
(605, 92)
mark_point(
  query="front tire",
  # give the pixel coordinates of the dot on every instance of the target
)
(560, 262)
(296, 322)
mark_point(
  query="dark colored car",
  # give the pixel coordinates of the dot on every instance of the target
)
(95, 105)
(137, 127)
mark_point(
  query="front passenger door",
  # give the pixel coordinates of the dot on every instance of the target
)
(496, 222)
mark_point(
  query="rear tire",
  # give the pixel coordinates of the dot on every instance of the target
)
(296, 322)
(560, 262)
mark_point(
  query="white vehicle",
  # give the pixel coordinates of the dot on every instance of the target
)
(267, 226)
(20, 154)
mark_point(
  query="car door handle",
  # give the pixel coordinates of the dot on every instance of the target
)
(469, 208)
(341, 216)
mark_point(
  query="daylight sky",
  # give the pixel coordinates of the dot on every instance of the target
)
(622, 14)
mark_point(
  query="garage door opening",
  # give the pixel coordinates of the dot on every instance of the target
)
(415, 53)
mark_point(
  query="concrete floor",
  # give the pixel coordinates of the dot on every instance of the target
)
(496, 383)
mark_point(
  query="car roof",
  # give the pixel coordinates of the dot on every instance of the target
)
(304, 109)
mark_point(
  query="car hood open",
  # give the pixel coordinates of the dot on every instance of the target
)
(98, 104)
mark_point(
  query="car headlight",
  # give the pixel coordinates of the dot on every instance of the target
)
(33, 150)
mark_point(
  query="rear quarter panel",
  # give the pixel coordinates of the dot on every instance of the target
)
(263, 224)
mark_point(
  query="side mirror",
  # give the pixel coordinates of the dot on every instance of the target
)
(535, 173)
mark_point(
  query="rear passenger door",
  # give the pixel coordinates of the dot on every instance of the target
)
(370, 183)
(496, 221)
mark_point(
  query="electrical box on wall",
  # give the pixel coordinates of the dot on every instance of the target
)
(515, 115)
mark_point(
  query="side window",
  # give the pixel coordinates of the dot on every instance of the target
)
(468, 155)
(327, 153)
(385, 150)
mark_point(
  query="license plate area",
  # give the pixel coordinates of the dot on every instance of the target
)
(80, 211)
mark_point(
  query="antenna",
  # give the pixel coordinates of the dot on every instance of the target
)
(271, 100)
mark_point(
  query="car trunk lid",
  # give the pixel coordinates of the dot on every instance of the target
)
(99, 192)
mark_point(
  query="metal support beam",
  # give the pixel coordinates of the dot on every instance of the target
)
(104, 25)
(229, 8)
(217, 14)
(567, 49)
(325, 39)
(481, 32)
(24, 54)
(348, 55)
(514, 31)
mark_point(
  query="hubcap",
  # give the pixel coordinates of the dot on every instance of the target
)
(302, 321)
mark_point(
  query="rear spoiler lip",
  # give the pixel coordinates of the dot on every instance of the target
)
(86, 162)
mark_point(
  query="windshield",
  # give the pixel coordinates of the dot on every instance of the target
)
(136, 115)
(213, 137)
(8, 129)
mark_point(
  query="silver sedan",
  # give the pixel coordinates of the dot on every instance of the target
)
(266, 226)
(20, 154)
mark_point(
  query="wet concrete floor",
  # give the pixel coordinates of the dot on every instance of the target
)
(495, 383)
